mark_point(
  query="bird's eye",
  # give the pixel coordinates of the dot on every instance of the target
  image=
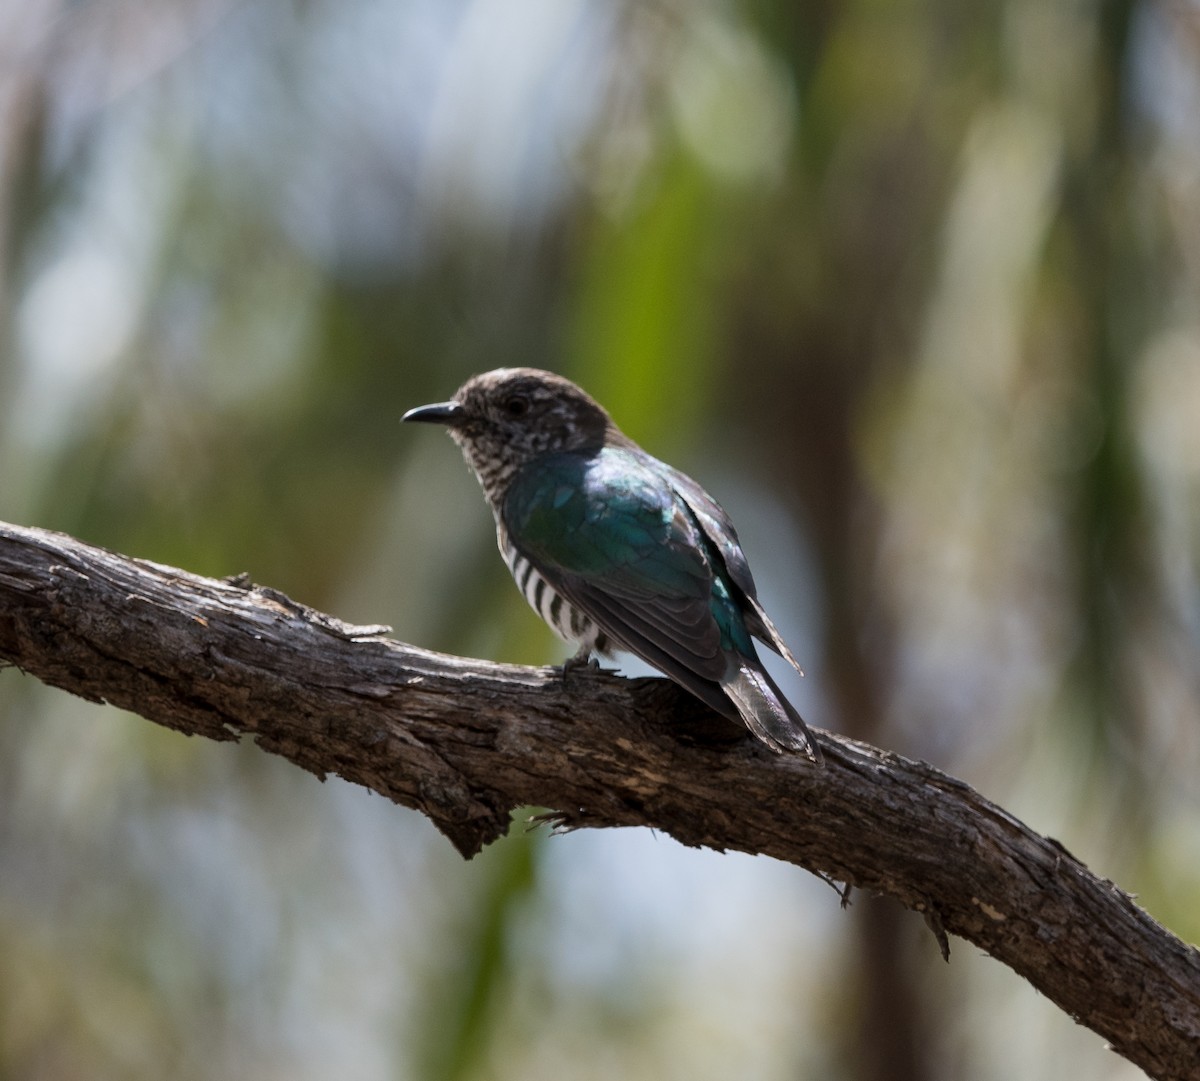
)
(516, 405)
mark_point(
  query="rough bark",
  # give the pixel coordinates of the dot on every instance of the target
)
(465, 742)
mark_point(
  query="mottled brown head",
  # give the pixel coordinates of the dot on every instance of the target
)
(507, 417)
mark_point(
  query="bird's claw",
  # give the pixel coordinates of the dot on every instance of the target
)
(583, 659)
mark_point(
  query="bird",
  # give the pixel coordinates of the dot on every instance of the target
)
(617, 550)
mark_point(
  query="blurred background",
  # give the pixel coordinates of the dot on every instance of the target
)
(913, 289)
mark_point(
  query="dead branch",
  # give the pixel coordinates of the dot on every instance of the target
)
(465, 742)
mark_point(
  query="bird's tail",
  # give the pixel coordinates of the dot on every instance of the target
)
(768, 714)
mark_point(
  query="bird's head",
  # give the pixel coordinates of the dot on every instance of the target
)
(507, 417)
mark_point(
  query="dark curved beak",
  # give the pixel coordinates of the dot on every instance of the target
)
(448, 413)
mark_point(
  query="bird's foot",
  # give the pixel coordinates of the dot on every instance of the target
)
(583, 659)
(582, 656)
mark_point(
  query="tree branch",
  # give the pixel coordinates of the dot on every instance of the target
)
(465, 742)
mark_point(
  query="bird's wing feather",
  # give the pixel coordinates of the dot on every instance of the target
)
(718, 528)
(610, 533)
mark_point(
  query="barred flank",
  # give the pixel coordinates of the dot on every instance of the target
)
(568, 622)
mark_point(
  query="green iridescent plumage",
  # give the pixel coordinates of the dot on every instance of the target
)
(611, 523)
(616, 549)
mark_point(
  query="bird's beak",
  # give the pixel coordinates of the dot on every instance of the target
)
(448, 413)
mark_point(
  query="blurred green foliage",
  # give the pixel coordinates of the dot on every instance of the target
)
(911, 288)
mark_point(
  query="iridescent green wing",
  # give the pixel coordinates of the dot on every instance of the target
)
(719, 530)
(610, 532)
